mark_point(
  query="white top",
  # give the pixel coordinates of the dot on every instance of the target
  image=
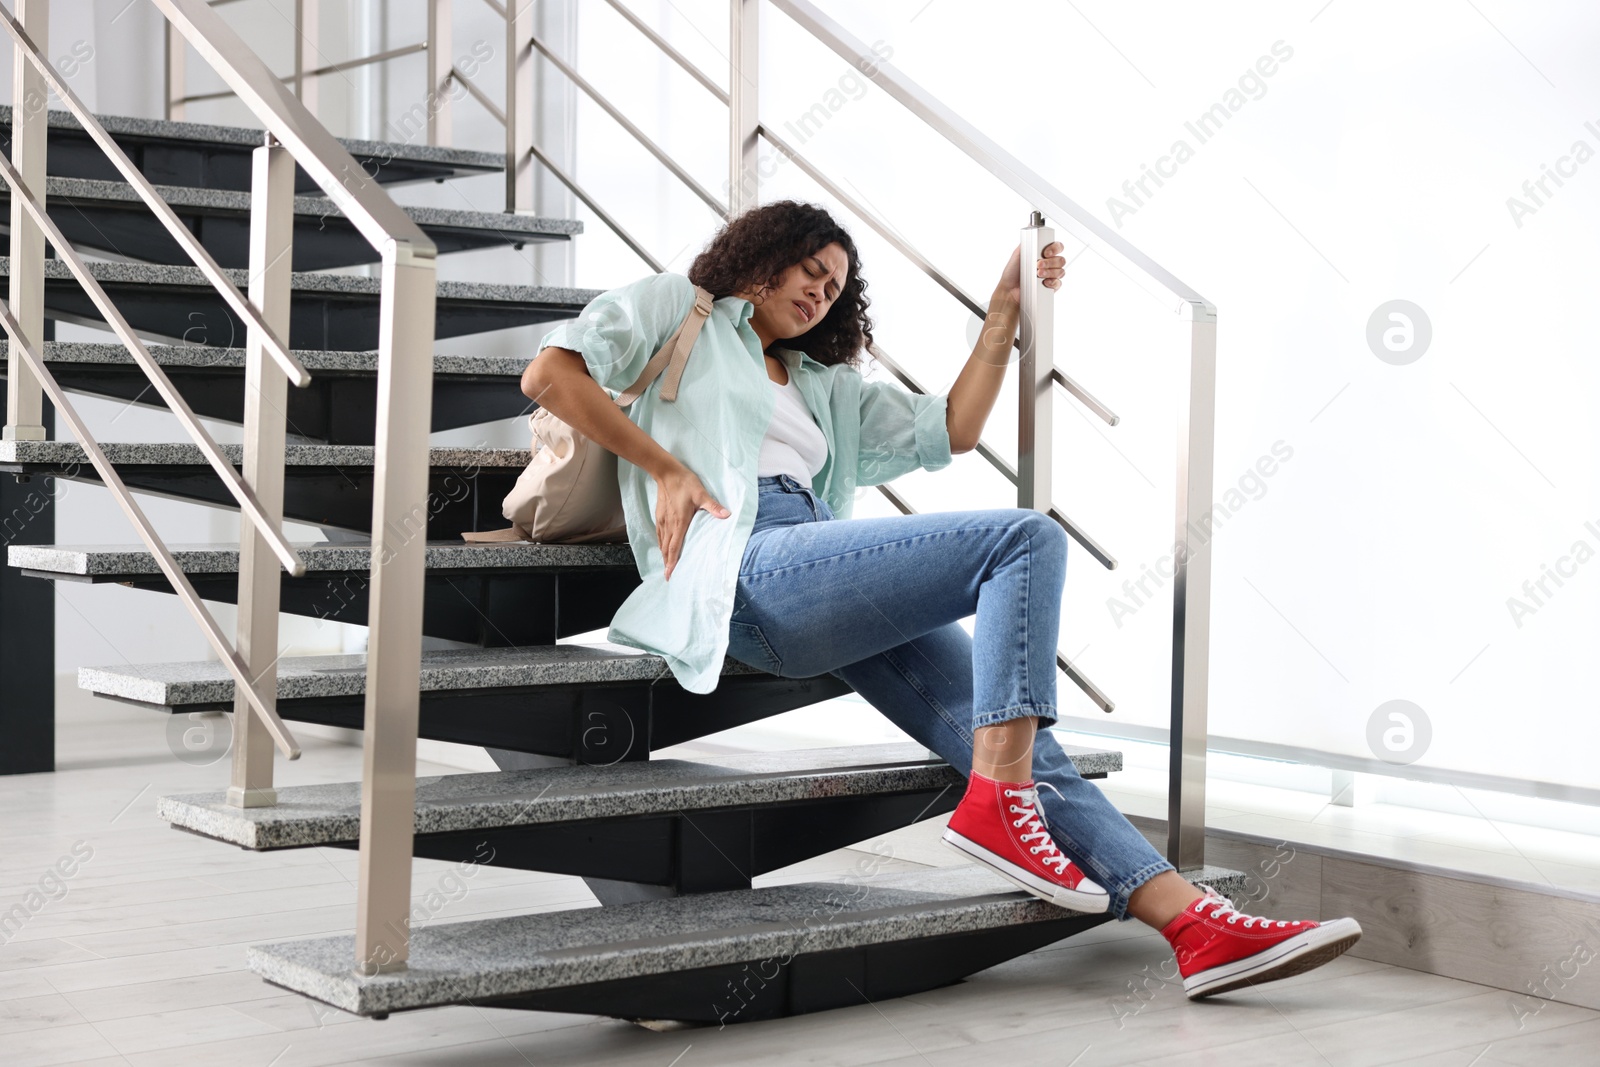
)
(794, 444)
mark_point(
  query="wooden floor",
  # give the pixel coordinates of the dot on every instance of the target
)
(138, 958)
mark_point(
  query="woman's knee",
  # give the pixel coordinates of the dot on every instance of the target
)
(1044, 532)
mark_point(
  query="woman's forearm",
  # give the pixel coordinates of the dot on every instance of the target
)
(559, 380)
(972, 396)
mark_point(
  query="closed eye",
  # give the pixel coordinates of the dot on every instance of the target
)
(832, 295)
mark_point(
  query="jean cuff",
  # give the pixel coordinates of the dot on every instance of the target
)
(1120, 895)
(1046, 714)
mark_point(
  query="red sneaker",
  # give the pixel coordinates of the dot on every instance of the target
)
(1001, 825)
(1217, 951)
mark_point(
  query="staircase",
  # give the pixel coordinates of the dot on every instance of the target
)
(669, 846)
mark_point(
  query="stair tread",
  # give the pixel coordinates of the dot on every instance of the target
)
(310, 815)
(207, 681)
(154, 274)
(166, 130)
(499, 957)
(320, 556)
(238, 201)
(315, 359)
(176, 454)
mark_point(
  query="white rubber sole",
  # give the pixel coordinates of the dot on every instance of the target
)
(1091, 897)
(1283, 960)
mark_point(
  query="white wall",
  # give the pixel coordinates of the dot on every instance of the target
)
(1405, 502)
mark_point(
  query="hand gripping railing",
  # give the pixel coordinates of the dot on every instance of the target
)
(400, 455)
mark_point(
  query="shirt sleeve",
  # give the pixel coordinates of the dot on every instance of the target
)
(620, 329)
(900, 432)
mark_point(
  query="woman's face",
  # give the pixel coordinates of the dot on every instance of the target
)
(804, 294)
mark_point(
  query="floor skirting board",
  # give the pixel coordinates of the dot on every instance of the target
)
(1539, 943)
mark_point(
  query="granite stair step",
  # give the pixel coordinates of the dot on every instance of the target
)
(316, 815)
(336, 312)
(218, 157)
(339, 407)
(597, 702)
(726, 957)
(491, 594)
(110, 218)
(688, 826)
(325, 485)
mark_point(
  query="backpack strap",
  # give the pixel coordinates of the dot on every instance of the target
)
(674, 355)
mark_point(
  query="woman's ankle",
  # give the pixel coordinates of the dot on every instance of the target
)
(1004, 751)
(1162, 898)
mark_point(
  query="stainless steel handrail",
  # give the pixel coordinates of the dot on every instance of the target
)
(304, 79)
(1060, 377)
(400, 455)
(331, 68)
(984, 151)
(478, 94)
(357, 194)
(905, 248)
(1096, 549)
(594, 205)
(147, 192)
(672, 53)
(241, 493)
(303, 25)
(400, 476)
(219, 643)
(29, 218)
(639, 135)
(1066, 666)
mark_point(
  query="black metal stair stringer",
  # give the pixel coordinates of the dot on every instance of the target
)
(691, 852)
(784, 984)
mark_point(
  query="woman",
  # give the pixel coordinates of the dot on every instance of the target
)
(773, 418)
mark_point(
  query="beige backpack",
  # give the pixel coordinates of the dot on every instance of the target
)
(568, 494)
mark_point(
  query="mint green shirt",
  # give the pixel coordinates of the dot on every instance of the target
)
(876, 431)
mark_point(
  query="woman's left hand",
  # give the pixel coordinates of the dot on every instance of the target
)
(1051, 266)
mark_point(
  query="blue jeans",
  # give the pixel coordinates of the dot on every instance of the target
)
(875, 602)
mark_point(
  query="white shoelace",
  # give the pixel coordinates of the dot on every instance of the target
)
(1040, 829)
(1217, 901)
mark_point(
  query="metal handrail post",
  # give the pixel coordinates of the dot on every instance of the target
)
(744, 110)
(1035, 392)
(30, 122)
(400, 512)
(437, 98)
(519, 108)
(307, 23)
(177, 81)
(266, 389)
(1191, 601)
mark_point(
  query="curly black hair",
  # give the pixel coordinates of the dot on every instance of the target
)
(753, 250)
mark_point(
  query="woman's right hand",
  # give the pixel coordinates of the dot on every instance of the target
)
(679, 495)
